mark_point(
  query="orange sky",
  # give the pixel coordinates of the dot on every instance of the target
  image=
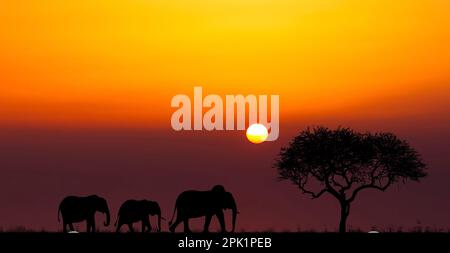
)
(118, 63)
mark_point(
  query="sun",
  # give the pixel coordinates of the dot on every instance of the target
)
(257, 133)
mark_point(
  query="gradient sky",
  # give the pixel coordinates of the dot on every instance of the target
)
(85, 89)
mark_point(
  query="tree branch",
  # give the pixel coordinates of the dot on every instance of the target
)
(302, 181)
(331, 190)
(313, 194)
(335, 182)
(347, 182)
(367, 186)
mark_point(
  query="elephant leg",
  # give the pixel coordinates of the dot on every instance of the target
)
(149, 225)
(221, 219)
(71, 227)
(130, 226)
(119, 225)
(146, 224)
(93, 226)
(88, 226)
(207, 222)
(64, 227)
(174, 225)
(186, 225)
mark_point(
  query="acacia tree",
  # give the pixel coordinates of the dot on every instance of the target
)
(343, 163)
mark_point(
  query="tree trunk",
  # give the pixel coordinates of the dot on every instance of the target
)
(345, 211)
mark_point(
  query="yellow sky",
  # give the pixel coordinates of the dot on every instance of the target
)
(119, 62)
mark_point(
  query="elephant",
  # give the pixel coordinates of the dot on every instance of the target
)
(77, 209)
(138, 210)
(193, 204)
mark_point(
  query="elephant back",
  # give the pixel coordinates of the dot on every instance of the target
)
(130, 204)
(218, 188)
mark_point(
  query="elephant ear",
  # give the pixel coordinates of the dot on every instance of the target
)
(92, 200)
(154, 204)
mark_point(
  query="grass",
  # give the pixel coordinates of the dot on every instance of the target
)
(390, 229)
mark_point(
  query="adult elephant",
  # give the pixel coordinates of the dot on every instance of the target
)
(193, 204)
(132, 211)
(76, 209)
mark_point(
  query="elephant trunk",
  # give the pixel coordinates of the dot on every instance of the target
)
(159, 222)
(107, 217)
(234, 220)
(234, 214)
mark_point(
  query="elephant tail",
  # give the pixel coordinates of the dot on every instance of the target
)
(174, 210)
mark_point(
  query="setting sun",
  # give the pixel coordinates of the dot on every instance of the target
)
(257, 133)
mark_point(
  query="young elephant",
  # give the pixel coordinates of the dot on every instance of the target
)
(132, 211)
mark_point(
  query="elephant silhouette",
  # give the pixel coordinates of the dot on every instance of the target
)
(193, 204)
(76, 209)
(132, 211)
